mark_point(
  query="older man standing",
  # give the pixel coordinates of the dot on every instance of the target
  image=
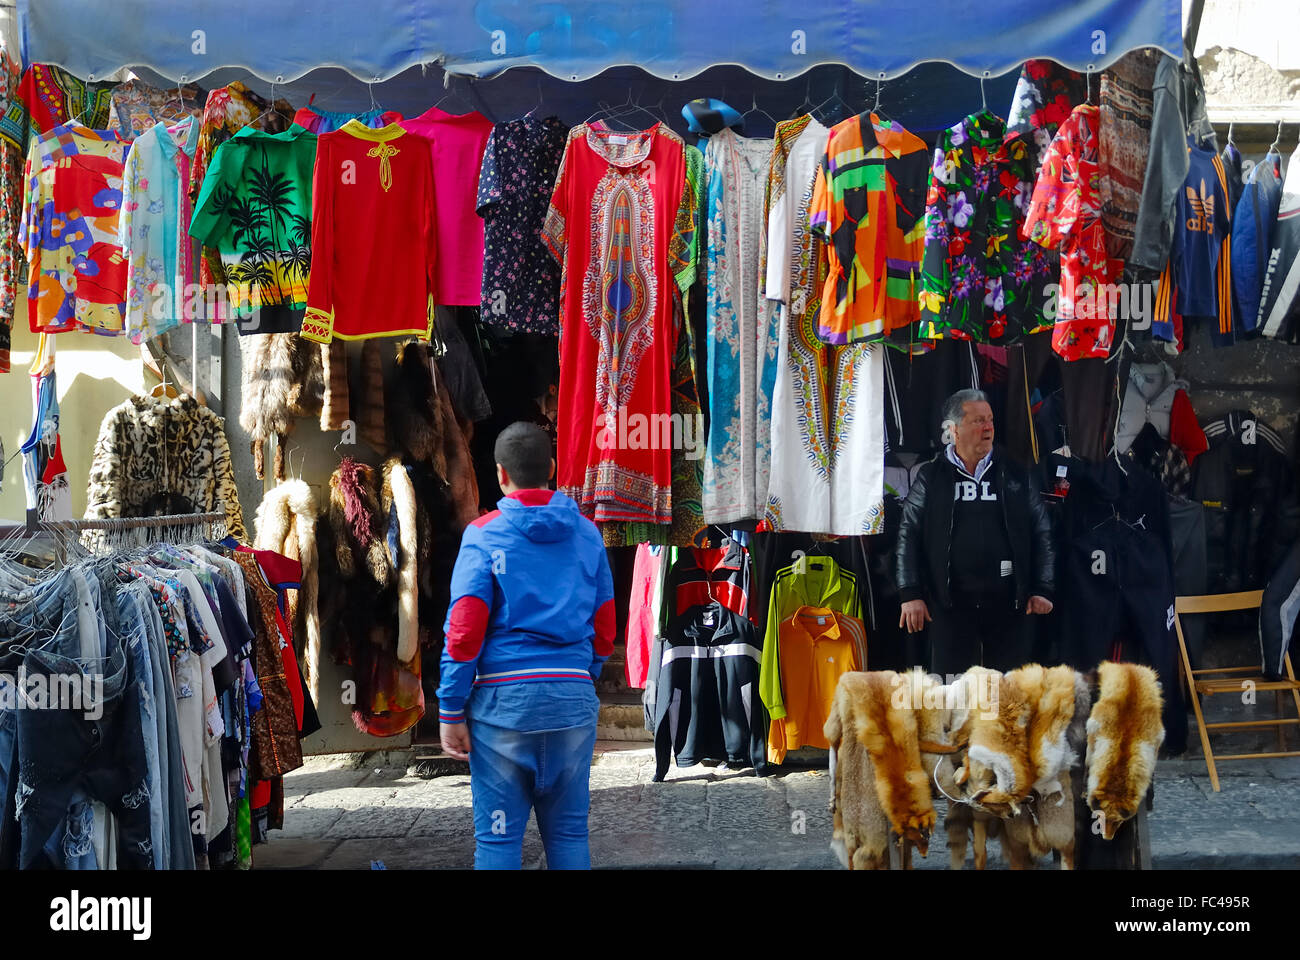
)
(974, 562)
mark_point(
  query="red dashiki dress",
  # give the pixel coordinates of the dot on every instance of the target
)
(1065, 213)
(609, 225)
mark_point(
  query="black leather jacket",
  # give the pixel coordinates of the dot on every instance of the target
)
(924, 540)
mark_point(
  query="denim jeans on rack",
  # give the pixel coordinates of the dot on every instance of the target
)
(180, 851)
(133, 630)
(8, 775)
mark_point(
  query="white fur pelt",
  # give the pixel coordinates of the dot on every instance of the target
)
(286, 523)
(408, 595)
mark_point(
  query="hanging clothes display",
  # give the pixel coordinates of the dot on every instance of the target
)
(456, 144)
(76, 272)
(1045, 95)
(189, 708)
(868, 205)
(1279, 299)
(154, 452)
(1197, 282)
(736, 169)
(1118, 578)
(980, 279)
(315, 120)
(1123, 143)
(138, 106)
(373, 243)
(161, 264)
(521, 281)
(1252, 225)
(828, 431)
(1156, 396)
(282, 379)
(1065, 214)
(609, 225)
(1247, 484)
(229, 110)
(45, 475)
(707, 678)
(12, 158)
(255, 211)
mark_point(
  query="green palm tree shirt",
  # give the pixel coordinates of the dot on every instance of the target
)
(255, 210)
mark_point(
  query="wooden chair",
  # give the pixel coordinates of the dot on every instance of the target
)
(1230, 680)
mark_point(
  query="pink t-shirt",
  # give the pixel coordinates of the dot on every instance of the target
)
(458, 143)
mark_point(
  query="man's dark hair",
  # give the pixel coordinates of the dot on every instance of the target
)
(524, 450)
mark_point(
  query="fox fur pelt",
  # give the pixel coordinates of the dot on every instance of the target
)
(865, 701)
(286, 523)
(399, 498)
(1124, 735)
(861, 829)
(1052, 695)
(358, 527)
(1033, 833)
(997, 773)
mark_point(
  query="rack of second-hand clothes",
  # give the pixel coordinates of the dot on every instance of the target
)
(150, 702)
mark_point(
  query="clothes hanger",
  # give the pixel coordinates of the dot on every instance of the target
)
(164, 388)
(755, 108)
(875, 107)
(539, 100)
(1274, 146)
(270, 109)
(806, 106)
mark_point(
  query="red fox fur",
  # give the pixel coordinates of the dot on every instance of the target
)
(1124, 734)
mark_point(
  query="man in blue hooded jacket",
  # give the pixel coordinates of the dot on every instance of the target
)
(530, 625)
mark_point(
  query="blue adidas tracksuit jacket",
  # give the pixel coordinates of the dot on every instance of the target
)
(531, 620)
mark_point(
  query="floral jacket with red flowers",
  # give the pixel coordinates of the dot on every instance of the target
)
(1065, 214)
(980, 279)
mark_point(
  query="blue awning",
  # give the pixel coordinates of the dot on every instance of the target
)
(374, 40)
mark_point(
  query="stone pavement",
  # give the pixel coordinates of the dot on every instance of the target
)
(343, 812)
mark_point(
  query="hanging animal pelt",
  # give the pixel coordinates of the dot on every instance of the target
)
(400, 505)
(355, 514)
(282, 379)
(1124, 735)
(286, 524)
(414, 411)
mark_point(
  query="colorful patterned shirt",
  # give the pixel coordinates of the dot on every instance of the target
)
(521, 280)
(76, 271)
(868, 204)
(980, 280)
(137, 106)
(373, 241)
(255, 210)
(152, 233)
(1065, 213)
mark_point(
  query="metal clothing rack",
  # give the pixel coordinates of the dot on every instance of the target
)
(33, 526)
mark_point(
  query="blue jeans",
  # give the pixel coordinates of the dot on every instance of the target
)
(511, 773)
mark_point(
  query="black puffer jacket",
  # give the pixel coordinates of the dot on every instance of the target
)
(924, 540)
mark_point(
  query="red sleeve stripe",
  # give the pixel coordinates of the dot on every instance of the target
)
(606, 626)
(484, 520)
(469, 620)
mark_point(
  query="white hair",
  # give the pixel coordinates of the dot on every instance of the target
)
(954, 412)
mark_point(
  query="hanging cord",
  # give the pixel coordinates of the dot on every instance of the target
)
(974, 366)
(893, 397)
(1029, 407)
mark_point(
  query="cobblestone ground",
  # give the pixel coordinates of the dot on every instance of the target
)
(345, 812)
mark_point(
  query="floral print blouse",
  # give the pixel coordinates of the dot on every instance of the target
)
(980, 280)
(521, 280)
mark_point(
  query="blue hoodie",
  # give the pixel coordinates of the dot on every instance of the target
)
(531, 620)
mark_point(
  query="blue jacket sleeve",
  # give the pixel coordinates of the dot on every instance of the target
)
(604, 622)
(472, 592)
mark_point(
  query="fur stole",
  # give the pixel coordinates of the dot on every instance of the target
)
(889, 734)
(1124, 734)
(286, 523)
(358, 524)
(997, 773)
(400, 504)
(413, 407)
(458, 462)
(861, 830)
(370, 422)
(1052, 695)
(282, 379)
(336, 403)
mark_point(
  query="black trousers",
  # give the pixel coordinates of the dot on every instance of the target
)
(978, 633)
